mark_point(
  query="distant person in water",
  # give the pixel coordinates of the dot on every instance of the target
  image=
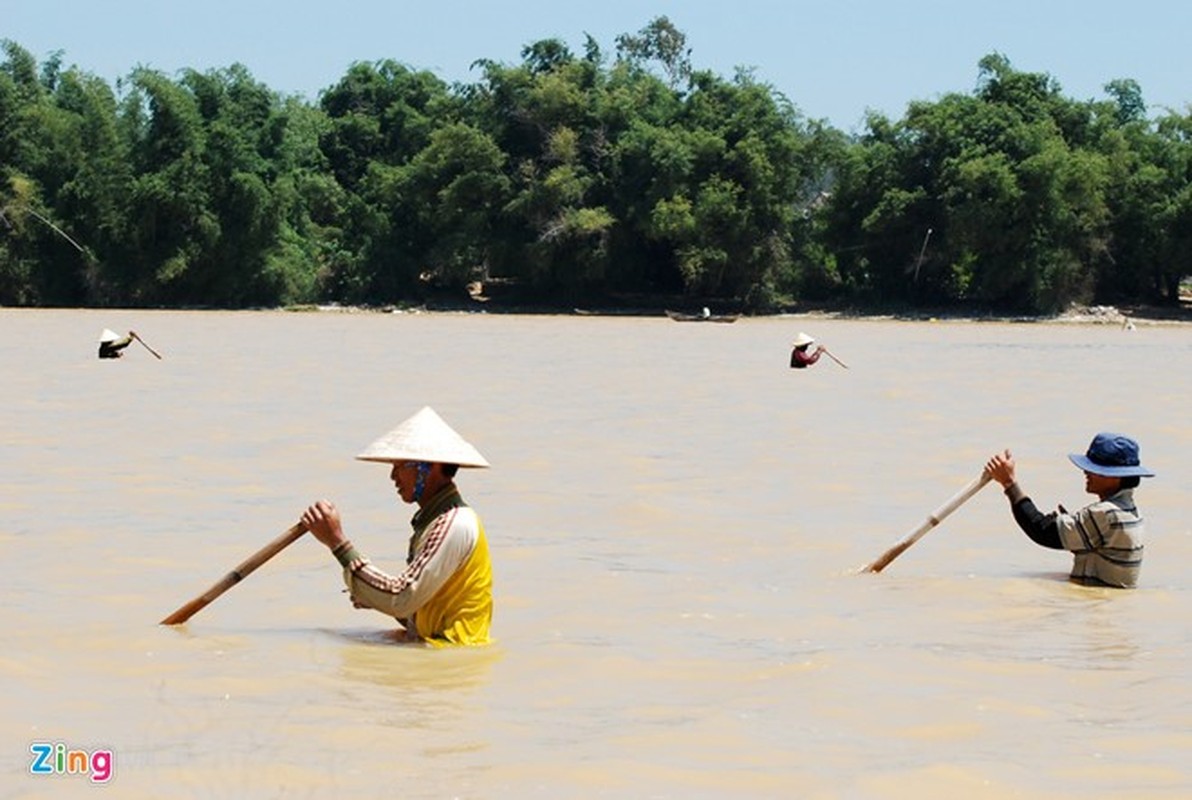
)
(111, 345)
(802, 356)
(1106, 536)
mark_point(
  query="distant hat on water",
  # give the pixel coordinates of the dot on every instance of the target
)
(424, 437)
(1111, 455)
(108, 336)
(801, 340)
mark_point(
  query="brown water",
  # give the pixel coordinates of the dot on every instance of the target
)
(675, 519)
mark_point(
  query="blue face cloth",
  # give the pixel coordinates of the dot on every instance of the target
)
(1112, 455)
(420, 479)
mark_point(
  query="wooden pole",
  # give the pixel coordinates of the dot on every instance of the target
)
(235, 576)
(147, 347)
(834, 358)
(936, 517)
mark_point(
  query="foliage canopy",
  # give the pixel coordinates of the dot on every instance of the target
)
(576, 177)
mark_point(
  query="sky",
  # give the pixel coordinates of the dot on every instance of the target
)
(834, 59)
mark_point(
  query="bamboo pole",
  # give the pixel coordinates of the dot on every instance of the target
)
(936, 517)
(834, 358)
(147, 347)
(235, 576)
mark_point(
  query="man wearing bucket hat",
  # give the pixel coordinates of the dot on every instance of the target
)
(111, 345)
(1105, 537)
(444, 594)
(802, 356)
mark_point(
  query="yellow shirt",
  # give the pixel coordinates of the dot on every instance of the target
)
(445, 592)
(462, 610)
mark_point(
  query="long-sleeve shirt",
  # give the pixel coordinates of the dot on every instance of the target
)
(112, 349)
(1105, 538)
(445, 592)
(803, 357)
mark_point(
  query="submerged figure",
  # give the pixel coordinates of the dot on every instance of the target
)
(444, 594)
(111, 345)
(802, 356)
(1105, 537)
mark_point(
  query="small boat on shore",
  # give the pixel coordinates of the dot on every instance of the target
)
(679, 316)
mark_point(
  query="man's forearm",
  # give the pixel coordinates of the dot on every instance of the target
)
(1041, 528)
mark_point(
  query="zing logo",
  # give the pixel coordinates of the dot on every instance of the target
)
(55, 759)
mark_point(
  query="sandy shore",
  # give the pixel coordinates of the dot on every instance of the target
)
(1126, 319)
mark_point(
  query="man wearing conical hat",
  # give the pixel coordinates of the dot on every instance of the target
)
(802, 356)
(444, 594)
(111, 345)
(1104, 537)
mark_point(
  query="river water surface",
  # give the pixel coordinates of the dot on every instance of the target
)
(675, 518)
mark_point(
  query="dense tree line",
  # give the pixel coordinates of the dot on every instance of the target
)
(578, 177)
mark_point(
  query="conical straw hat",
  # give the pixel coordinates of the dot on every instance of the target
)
(424, 437)
(108, 335)
(801, 340)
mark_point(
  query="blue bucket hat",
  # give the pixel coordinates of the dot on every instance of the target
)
(1112, 455)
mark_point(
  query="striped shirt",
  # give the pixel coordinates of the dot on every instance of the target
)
(1106, 540)
(1105, 537)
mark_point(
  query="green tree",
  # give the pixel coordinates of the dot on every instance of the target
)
(60, 169)
(380, 117)
(1006, 182)
(662, 42)
(544, 115)
(312, 206)
(90, 200)
(752, 167)
(461, 180)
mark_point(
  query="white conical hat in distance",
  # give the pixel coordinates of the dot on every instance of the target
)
(801, 340)
(108, 335)
(424, 437)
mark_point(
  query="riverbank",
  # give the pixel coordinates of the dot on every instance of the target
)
(1125, 317)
